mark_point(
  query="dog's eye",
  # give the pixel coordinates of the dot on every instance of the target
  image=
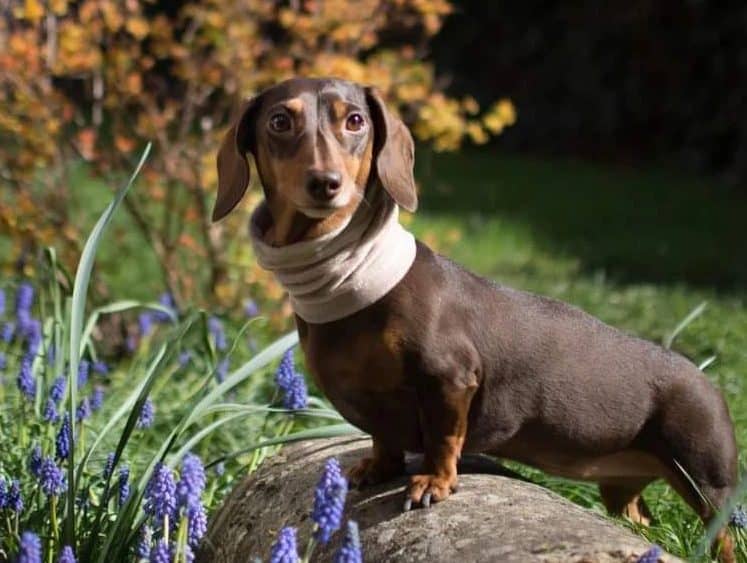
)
(354, 122)
(280, 123)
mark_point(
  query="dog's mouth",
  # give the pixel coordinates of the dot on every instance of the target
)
(323, 209)
(319, 211)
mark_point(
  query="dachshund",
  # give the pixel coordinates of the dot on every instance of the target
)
(446, 362)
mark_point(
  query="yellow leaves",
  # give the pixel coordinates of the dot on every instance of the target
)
(58, 7)
(477, 133)
(33, 10)
(470, 105)
(502, 114)
(440, 121)
(411, 92)
(77, 50)
(113, 17)
(138, 27)
(134, 84)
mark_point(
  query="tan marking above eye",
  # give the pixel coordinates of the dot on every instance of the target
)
(294, 105)
(339, 109)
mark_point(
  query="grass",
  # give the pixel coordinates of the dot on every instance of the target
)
(639, 249)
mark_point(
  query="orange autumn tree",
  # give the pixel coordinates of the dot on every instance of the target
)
(96, 79)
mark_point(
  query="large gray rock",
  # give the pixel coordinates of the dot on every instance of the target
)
(490, 518)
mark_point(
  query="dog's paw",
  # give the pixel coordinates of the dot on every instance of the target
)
(372, 471)
(425, 489)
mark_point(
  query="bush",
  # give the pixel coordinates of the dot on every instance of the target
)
(95, 79)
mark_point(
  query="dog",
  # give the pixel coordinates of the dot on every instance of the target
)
(439, 360)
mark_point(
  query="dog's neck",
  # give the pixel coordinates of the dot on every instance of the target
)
(342, 271)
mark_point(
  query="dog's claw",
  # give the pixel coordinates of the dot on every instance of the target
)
(426, 501)
(407, 506)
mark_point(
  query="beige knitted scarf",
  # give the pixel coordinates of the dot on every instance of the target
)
(344, 271)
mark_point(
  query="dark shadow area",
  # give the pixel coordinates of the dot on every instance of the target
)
(636, 225)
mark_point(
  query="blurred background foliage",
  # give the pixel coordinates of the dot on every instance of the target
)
(643, 80)
(91, 81)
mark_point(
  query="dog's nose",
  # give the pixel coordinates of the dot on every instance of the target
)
(323, 184)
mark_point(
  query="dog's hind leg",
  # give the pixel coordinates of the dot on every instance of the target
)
(698, 437)
(623, 498)
(706, 501)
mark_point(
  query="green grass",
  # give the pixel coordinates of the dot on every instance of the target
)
(638, 249)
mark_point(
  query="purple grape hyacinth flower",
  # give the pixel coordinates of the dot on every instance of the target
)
(97, 398)
(14, 498)
(167, 301)
(83, 411)
(50, 412)
(66, 555)
(26, 379)
(296, 396)
(35, 459)
(100, 367)
(160, 552)
(291, 383)
(33, 334)
(7, 332)
(147, 414)
(108, 466)
(160, 493)
(286, 371)
(284, 550)
(51, 478)
(738, 517)
(84, 369)
(329, 501)
(30, 549)
(221, 370)
(196, 523)
(24, 302)
(250, 308)
(3, 361)
(192, 480)
(215, 326)
(123, 485)
(350, 550)
(63, 441)
(57, 391)
(184, 358)
(145, 322)
(652, 555)
(24, 297)
(3, 493)
(143, 545)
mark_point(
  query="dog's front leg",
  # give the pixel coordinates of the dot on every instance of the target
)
(386, 463)
(443, 409)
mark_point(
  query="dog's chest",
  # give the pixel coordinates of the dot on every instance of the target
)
(362, 373)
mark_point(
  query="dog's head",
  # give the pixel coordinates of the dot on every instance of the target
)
(317, 145)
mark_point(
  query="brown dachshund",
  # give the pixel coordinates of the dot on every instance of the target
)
(447, 362)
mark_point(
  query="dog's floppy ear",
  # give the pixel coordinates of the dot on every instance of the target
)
(233, 167)
(394, 153)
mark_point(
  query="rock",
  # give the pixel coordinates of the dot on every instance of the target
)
(490, 518)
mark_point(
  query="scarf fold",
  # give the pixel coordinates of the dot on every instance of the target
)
(344, 271)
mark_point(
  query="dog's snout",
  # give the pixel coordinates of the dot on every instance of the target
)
(323, 184)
